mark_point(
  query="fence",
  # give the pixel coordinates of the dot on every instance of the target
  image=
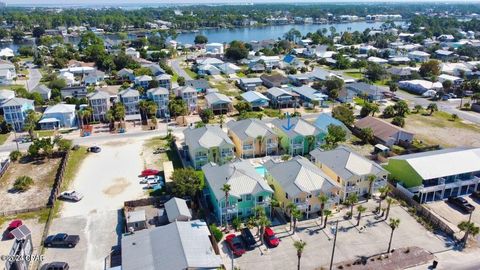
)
(423, 212)
(4, 166)
(20, 211)
(157, 201)
(58, 180)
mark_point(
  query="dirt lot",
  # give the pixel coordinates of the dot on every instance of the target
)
(155, 161)
(439, 128)
(43, 174)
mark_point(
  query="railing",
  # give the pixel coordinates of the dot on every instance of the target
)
(302, 205)
(248, 147)
(349, 189)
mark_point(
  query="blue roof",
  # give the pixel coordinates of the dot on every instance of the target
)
(324, 120)
(289, 58)
(252, 96)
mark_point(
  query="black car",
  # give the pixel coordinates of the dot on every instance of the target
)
(94, 149)
(461, 203)
(55, 266)
(61, 240)
(248, 238)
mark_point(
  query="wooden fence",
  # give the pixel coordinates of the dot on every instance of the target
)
(56, 189)
(157, 201)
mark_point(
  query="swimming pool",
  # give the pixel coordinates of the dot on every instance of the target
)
(260, 170)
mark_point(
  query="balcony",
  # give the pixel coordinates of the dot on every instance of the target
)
(302, 206)
(349, 189)
(231, 209)
(334, 199)
(247, 147)
(201, 158)
(226, 154)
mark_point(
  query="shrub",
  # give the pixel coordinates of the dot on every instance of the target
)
(217, 233)
(15, 155)
(23, 183)
(236, 223)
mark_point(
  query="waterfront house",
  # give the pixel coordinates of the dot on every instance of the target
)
(252, 138)
(300, 182)
(7, 72)
(43, 90)
(129, 98)
(214, 48)
(256, 99)
(350, 170)
(280, 98)
(437, 175)
(386, 133)
(208, 144)
(6, 95)
(249, 84)
(58, 116)
(15, 111)
(143, 81)
(189, 95)
(297, 136)
(248, 189)
(275, 80)
(100, 103)
(218, 103)
(160, 96)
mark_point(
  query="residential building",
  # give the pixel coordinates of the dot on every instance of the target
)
(300, 182)
(386, 133)
(297, 136)
(94, 77)
(208, 144)
(372, 92)
(256, 99)
(419, 56)
(126, 73)
(129, 98)
(324, 120)
(280, 98)
(7, 72)
(401, 72)
(350, 170)
(444, 55)
(43, 90)
(456, 81)
(419, 86)
(15, 111)
(248, 189)
(177, 210)
(218, 103)
(214, 48)
(178, 245)
(377, 60)
(309, 97)
(136, 220)
(275, 80)
(229, 68)
(160, 96)
(6, 95)
(58, 116)
(74, 92)
(249, 84)
(143, 81)
(100, 103)
(189, 95)
(437, 175)
(253, 138)
(132, 52)
(201, 85)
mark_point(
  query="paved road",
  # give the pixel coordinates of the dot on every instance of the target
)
(34, 78)
(178, 69)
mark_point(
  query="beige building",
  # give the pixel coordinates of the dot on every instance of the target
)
(252, 138)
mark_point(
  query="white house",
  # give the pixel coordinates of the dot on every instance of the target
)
(214, 48)
(132, 52)
(419, 56)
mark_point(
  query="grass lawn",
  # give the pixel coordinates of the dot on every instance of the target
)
(3, 138)
(353, 74)
(158, 159)
(359, 101)
(381, 83)
(174, 77)
(240, 74)
(191, 73)
(272, 112)
(44, 133)
(40, 215)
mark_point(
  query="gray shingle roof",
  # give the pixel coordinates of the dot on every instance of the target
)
(346, 163)
(129, 92)
(98, 95)
(158, 91)
(206, 137)
(300, 175)
(250, 128)
(42, 89)
(178, 245)
(217, 98)
(276, 92)
(240, 175)
(175, 208)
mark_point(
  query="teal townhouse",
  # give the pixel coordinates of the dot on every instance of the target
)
(297, 136)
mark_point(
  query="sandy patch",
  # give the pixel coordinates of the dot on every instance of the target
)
(119, 185)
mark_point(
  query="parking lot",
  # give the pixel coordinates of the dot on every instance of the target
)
(106, 179)
(351, 243)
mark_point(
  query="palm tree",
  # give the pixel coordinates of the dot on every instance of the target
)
(390, 201)
(432, 107)
(142, 105)
(360, 210)
(30, 122)
(226, 188)
(469, 228)
(351, 200)
(323, 199)
(383, 193)
(273, 203)
(371, 179)
(296, 214)
(262, 222)
(87, 114)
(394, 223)
(290, 208)
(81, 116)
(299, 246)
(327, 213)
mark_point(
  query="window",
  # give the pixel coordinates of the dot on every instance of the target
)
(240, 199)
(309, 196)
(248, 197)
(338, 179)
(296, 200)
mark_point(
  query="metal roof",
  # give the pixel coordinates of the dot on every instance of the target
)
(176, 208)
(206, 137)
(217, 98)
(252, 96)
(250, 129)
(298, 127)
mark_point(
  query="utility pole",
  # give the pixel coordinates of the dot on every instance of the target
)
(334, 243)
(16, 140)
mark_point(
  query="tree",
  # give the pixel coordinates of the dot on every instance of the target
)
(360, 210)
(30, 122)
(262, 222)
(236, 51)
(177, 107)
(388, 112)
(38, 31)
(292, 35)
(17, 35)
(469, 228)
(394, 223)
(335, 135)
(393, 87)
(243, 106)
(200, 39)
(344, 113)
(401, 107)
(296, 215)
(291, 207)
(186, 183)
(326, 213)
(15, 155)
(398, 121)
(23, 183)
(299, 247)
(181, 81)
(226, 189)
(367, 108)
(432, 107)
(430, 68)
(366, 135)
(418, 108)
(390, 201)
(351, 200)
(447, 85)
(371, 179)
(64, 144)
(383, 194)
(375, 72)
(206, 115)
(323, 199)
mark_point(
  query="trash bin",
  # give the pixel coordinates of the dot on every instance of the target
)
(434, 264)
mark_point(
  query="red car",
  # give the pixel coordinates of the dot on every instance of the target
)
(235, 244)
(13, 225)
(270, 238)
(148, 172)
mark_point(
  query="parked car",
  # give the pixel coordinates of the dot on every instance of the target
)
(248, 239)
(461, 203)
(71, 195)
(235, 244)
(61, 240)
(270, 237)
(94, 149)
(55, 266)
(148, 172)
(12, 226)
(151, 179)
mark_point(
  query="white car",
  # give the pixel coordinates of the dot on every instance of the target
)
(71, 195)
(151, 179)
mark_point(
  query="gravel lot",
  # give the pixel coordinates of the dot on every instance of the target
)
(106, 179)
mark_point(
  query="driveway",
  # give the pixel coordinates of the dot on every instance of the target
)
(106, 179)
(34, 78)
(175, 63)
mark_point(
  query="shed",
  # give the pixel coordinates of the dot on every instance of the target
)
(177, 210)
